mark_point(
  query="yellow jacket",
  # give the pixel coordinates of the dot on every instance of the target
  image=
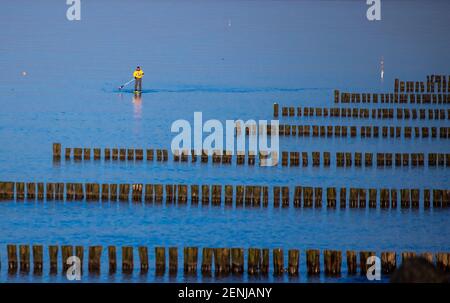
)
(138, 74)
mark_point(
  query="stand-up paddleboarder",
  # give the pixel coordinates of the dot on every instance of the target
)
(138, 74)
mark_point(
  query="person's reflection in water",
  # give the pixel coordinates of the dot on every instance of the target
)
(137, 114)
(137, 104)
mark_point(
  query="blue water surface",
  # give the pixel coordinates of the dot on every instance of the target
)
(229, 60)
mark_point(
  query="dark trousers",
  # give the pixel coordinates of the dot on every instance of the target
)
(138, 84)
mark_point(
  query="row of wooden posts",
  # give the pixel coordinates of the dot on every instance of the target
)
(347, 159)
(393, 98)
(225, 260)
(363, 113)
(354, 131)
(434, 83)
(121, 154)
(293, 158)
(239, 195)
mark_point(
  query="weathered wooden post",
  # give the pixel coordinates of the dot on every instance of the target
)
(331, 197)
(278, 261)
(56, 151)
(307, 197)
(86, 153)
(95, 253)
(313, 261)
(372, 198)
(107, 154)
(388, 262)
(12, 258)
(112, 257)
(343, 197)
(122, 154)
(393, 198)
(66, 252)
(194, 194)
(143, 258)
(237, 260)
(77, 154)
(67, 153)
(216, 195)
(124, 192)
(160, 261)
(130, 154)
(150, 155)
(205, 194)
(207, 257)
(137, 192)
(332, 261)
(79, 252)
(97, 154)
(318, 197)
(24, 253)
(351, 262)
(38, 259)
(53, 256)
(443, 260)
(363, 256)
(276, 196)
(190, 260)
(228, 194)
(254, 261)
(264, 267)
(139, 154)
(127, 259)
(222, 261)
(50, 191)
(20, 190)
(293, 262)
(173, 261)
(113, 192)
(326, 159)
(204, 156)
(265, 196)
(285, 196)
(31, 191)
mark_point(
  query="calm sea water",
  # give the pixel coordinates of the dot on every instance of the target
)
(228, 59)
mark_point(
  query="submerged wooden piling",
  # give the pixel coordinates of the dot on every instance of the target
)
(363, 256)
(66, 252)
(222, 261)
(95, 253)
(160, 260)
(12, 258)
(173, 260)
(24, 254)
(112, 257)
(237, 260)
(143, 258)
(278, 261)
(388, 262)
(293, 262)
(127, 259)
(207, 257)
(56, 151)
(254, 261)
(351, 262)
(38, 259)
(313, 261)
(190, 260)
(53, 256)
(332, 262)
